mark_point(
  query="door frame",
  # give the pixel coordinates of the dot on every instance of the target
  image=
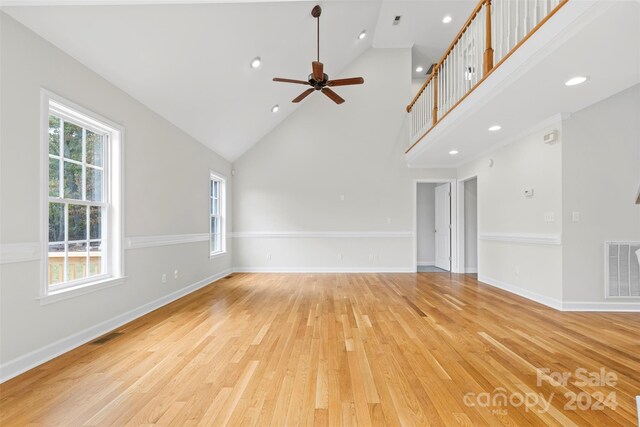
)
(460, 244)
(454, 220)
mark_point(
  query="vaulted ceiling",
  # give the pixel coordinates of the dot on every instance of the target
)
(189, 61)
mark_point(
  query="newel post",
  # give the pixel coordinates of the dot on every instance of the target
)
(488, 53)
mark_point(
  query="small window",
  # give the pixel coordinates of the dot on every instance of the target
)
(83, 217)
(217, 243)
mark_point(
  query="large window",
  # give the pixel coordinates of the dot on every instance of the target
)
(83, 219)
(216, 214)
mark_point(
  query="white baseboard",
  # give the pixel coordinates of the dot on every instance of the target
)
(607, 306)
(471, 270)
(426, 263)
(323, 270)
(37, 357)
(549, 302)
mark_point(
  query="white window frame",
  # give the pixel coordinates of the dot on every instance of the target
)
(222, 214)
(113, 228)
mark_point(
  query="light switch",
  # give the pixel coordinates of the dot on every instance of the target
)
(528, 193)
(575, 216)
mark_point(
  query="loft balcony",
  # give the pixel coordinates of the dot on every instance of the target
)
(508, 66)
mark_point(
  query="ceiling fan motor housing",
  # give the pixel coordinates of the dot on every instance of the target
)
(318, 85)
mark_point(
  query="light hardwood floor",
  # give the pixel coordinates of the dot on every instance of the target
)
(338, 349)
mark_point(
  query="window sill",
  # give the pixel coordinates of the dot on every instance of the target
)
(64, 294)
(217, 254)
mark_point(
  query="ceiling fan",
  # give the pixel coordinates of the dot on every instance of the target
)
(318, 80)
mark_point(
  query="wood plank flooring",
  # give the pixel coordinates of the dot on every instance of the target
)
(341, 349)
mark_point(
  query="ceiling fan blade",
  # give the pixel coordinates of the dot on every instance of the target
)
(303, 95)
(334, 96)
(318, 71)
(346, 82)
(300, 82)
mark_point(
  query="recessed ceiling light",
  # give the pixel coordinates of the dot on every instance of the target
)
(362, 34)
(453, 152)
(495, 128)
(255, 62)
(447, 19)
(576, 80)
(275, 108)
(419, 69)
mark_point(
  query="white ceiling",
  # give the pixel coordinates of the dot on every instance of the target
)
(189, 60)
(421, 28)
(600, 40)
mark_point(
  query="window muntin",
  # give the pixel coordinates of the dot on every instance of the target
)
(83, 224)
(216, 214)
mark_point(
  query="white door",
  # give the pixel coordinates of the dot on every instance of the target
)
(443, 226)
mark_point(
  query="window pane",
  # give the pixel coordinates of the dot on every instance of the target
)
(214, 225)
(94, 184)
(77, 261)
(56, 263)
(95, 258)
(95, 148)
(95, 222)
(56, 222)
(54, 177)
(215, 247)
(214, 206)
(72, 181)
(216, 184)
(72, 142)
(54, 135)
(77, 223)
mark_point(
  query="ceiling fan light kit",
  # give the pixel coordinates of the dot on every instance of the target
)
(318, 80)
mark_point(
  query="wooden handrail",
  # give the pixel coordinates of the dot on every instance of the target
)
(455, 41)
(489, 68)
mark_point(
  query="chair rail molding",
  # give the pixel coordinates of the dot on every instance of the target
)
(136, 242)
(527, 238)
(320, 234)
(19, 252)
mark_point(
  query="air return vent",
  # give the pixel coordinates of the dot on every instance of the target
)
(622, 269)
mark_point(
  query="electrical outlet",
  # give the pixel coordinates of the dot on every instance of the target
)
(575, 216)
(268, 256)
(339, 257)
(342, 197)
(175, 274)
(388, 220)
(517, 270)
(372, 257)
(549, 217)
(164, 278)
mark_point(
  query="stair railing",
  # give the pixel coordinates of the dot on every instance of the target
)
(495, 29)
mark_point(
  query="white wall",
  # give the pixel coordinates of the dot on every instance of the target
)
(166, 188)
(293, 179)
(601, 175)
(471, 226)
(426, 223)
(505, 215)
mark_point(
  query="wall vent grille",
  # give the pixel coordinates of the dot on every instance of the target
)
(622, 269)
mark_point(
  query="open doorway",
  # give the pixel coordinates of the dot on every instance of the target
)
(469, 226)
(434, 227)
